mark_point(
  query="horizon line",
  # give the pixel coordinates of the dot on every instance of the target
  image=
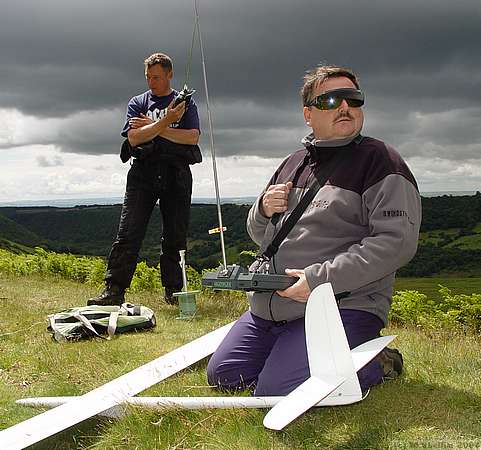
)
(197, 198)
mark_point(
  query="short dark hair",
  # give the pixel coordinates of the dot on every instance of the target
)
(320, 74)
(159, 58)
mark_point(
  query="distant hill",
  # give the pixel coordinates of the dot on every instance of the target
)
(90, 230)
(450, 239)
(85, 230)
(450, 233)
(15, 237)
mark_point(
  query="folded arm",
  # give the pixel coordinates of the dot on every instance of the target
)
(181, 136)
(149, 129)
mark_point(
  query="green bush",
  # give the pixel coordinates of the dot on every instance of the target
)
(84, 269)
(79, 268)
(461, 308)
(409, 306)
(145, 278)
(194, 279)
(453, 311)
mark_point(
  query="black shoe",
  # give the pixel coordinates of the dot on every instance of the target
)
(169, 296)
(111, 296)
(391, 362)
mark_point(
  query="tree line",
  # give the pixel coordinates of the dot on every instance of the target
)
(90, 230)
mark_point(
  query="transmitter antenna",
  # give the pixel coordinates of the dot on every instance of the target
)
(211, 134)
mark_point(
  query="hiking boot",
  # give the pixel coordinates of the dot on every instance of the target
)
(391, 362)
(169, 296)
(112, 295)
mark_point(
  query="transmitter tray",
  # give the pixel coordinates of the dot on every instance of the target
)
(238, 278)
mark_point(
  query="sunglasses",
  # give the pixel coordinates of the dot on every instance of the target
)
(333, 99)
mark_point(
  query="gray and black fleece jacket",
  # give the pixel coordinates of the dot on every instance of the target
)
(362, 226)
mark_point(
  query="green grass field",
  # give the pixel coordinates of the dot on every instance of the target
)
(450, 238)
(430, 285)
(435, 404)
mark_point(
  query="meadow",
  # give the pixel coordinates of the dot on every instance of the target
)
(436, 403)
(430, 285)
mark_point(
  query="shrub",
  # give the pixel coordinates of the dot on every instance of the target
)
(453, 311)
(84, 269)
(145, 278)
(79, 268)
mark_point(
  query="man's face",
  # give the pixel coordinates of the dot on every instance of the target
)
(342, 122)
(158, 79)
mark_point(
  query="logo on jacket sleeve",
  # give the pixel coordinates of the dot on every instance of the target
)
(394, 213)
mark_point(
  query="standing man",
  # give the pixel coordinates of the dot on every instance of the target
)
(361, 227)
(162, 138)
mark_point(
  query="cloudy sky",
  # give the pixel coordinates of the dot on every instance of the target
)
(68, 70)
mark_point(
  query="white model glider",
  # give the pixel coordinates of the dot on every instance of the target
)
(333, 380)
(361, 355)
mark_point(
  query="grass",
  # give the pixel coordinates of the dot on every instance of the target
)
(437, 236)
(435, 404)
(471, 242)
(449, 237)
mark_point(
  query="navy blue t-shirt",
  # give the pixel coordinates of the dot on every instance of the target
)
(155, 107)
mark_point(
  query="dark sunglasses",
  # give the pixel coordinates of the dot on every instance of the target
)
(333, 99)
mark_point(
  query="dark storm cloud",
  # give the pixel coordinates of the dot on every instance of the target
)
(418, 63)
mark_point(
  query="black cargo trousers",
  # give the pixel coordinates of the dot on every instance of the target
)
(171, 184)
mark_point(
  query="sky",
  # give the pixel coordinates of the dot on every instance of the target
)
(68, 70)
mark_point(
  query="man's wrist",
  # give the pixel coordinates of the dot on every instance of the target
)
(261, 208)
(162, 124)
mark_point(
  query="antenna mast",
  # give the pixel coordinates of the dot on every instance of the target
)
(211, 133)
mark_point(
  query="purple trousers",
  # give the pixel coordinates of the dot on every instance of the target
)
(272, 358)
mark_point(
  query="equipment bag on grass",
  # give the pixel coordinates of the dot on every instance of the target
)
(87, 321)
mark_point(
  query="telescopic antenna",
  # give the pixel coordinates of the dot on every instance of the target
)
(211, 133)
(189, 59)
